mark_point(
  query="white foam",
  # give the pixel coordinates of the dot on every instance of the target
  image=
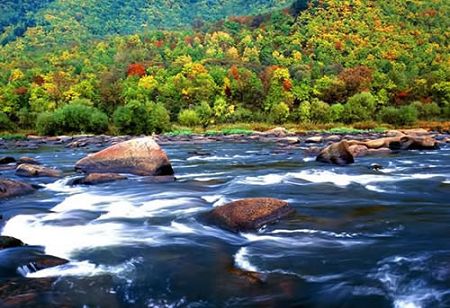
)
(241, 259)
(199, 175)
(65, 241)
(212, 198)
(338, 179)
(61, 186)
(124, 209)
(216, 158)
(86, 269)
(268, 179)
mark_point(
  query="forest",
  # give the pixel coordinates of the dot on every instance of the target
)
(99, 68)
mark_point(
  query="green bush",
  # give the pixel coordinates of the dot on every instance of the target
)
(50, 123)
(320, 112)
(243, 115)
(136, 118)
(159, 118)
(204, 112)
(5, 122)
(189, 117)
(336, 112)
(427, 111)
(405, 115)
(360, 107)
(72, 118)
(304, 112)
(27, 119)
(279, 113)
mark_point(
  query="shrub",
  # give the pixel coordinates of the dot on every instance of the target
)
(405, 115)
(27, 119)
(136, 118)
(83, 119)
(204, 113)
(158, 120)
(320, 112)
(336, 112)
(5, 122)
(189, 117)
(72, 118)
(50, 123)
(304, 112)
(243, 115)
(279, 113)
(408, 115)
(427, 111)
(359, 107)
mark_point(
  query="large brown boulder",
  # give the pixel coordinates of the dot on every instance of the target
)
(250, 214)
(337, 153)
(10, 188)
(141, 156)
(29, 170)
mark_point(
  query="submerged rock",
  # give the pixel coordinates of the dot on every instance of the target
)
(98, 178)
(250, 214)
(10, 188)
(9, 242)
(28, 170)
(142, 156)
(28, 160)
(336, 153)
(46, 261)
(7, 160)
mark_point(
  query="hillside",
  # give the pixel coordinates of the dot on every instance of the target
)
(99, 18)
(338, 61)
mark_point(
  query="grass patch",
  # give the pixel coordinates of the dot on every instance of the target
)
(13, 137)
(237, 131)
(180, 132)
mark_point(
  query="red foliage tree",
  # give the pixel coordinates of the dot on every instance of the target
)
(21, 91)
(234, 72)
(287, 85)
(136, 69)
(356, 79)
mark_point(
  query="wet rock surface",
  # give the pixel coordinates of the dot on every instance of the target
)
(142, 156)
(250, 214)
(12, 188)
(98, 178)
(31, 170)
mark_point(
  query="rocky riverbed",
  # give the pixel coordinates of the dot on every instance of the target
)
(140, 238)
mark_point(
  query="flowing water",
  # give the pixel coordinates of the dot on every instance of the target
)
(360, 236)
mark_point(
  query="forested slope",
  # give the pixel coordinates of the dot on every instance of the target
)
(338, 61)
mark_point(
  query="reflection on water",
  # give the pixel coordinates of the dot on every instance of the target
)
(360, 236)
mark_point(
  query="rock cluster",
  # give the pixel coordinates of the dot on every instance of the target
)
(345, 151)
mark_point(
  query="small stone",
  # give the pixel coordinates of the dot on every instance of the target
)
(314, 139)
(9, 242)
(28, 170)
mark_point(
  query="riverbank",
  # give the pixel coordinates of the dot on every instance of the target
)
(242, 135)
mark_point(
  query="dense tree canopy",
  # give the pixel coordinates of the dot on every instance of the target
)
(353, 59)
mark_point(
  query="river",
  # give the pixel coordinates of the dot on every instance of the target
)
(361, 237)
